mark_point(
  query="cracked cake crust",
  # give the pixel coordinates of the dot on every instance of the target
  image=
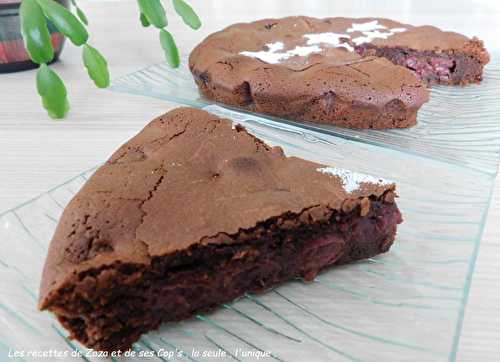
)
(334, 86)
(191, 192)
(328, 71)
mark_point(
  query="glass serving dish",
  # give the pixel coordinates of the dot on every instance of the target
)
(459, 125)
(407, 304)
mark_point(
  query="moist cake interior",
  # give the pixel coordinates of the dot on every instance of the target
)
(131, 299)
(441, 67)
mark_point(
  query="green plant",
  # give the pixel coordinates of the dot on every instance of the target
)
(36, 36)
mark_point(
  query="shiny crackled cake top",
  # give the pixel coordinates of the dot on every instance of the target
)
(358, 33)
(293, 41)
(189, 177)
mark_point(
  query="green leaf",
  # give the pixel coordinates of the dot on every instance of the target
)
(35, 33)
(82, 16)
(170, 49)
(96, 65)
(79, 12)
(53, 92)
(144, 21)
(154, 12)
(65, 21)
(187, 13)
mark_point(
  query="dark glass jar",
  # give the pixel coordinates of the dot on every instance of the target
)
(13, 55)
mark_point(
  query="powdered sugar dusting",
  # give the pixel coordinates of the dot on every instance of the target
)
(329, 38)
(273, 55)
(274, 47)
(303, 51)
(368, 36)
(352, 180)
(371, 30)
(347, 46)
(369, 26)
(270, 55)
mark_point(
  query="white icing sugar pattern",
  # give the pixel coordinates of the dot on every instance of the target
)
(274, 47)
(270, 55)
(329, 38)
(352, 180)
(370, 30)
(303, 51)
(369, 26)
(369, 36)
(273, 57)
(347, 46)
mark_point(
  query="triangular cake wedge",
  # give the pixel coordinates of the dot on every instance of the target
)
(193, 212)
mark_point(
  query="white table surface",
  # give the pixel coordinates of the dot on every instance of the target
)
(37, 153)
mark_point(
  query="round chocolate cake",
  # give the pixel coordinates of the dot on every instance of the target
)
(359, 73)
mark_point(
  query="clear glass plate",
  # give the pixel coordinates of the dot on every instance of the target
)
(407, 304)
(459, 125)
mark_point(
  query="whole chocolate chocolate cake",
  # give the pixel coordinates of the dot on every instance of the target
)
(193, 212)
(360, 73)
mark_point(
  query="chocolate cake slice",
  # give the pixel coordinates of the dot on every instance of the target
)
(193, 212)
